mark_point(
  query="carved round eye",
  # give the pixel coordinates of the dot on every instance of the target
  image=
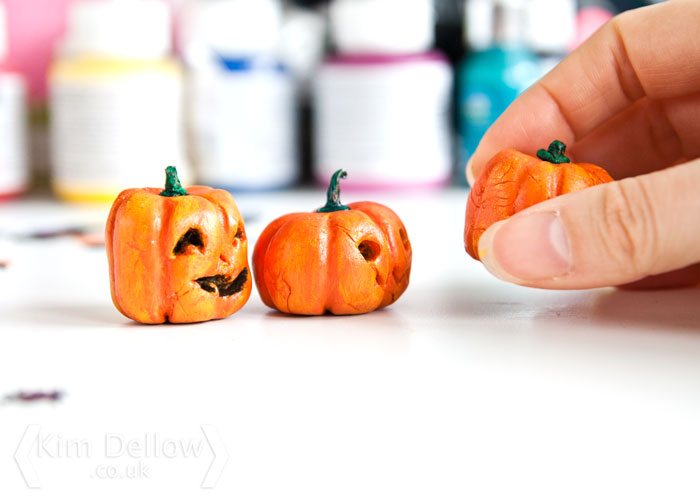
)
(369, 249)
(192, 238)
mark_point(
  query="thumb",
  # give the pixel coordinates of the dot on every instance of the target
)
(606, 235)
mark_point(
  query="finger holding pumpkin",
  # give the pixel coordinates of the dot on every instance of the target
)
(340, 259)
(513, 181)
(176, 255)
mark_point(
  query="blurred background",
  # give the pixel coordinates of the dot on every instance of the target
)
(254, 95)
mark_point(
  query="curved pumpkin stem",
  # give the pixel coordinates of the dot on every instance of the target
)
(173, 187)
(554, 153)
(333, 198)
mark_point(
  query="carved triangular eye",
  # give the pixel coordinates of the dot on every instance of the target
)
(239, 233)
(193, 237)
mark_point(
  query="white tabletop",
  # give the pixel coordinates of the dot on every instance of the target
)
(467, 387)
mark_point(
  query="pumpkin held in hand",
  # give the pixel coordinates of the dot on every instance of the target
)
(513, 181)
(177, 256)
(340, 259)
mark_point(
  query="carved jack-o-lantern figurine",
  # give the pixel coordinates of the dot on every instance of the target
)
(177, 256)
(340, 259)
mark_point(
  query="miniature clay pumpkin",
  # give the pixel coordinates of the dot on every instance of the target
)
(177, 256)
(340, 259)
(513, 181)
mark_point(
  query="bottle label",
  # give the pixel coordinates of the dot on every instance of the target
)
(244, 122)
(386, 124)
(116, 131)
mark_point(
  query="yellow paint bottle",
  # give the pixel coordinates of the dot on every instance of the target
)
(115, 100)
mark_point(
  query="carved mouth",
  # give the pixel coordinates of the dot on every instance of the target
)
(223, 284)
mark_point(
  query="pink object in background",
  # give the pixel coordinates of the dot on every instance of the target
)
(34, 26)
(588, 21)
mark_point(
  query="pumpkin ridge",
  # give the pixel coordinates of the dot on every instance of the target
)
(109, 246)
(289, 292)
(560, 174)
(165, 205)
(511, 197)
(210, 197)
(347, 232)
(261, 256)
(331, 263)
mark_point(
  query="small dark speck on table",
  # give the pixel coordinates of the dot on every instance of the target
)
(33, 397)
(56, 233)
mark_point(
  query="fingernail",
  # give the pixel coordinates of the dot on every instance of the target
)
(528, 248)
(470, 173)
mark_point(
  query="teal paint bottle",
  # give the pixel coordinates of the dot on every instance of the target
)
(498, 67)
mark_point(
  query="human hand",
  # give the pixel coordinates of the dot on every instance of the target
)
(628, 100)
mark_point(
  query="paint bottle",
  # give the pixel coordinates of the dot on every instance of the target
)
(35, 28)
(498, 67)
(381, 103)
(551, 27)
(242, 110)
(115, 100)
(14, 169)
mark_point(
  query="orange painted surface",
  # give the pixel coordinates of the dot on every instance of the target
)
(345, 262)
(154, 267)
(513, 181)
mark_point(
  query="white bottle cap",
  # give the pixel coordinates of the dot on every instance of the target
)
(479, 24)
(495, 21)
(382, 26)
(138, 29)
(235, 27)
(302, 42)
(551, 25)
(511, 19)
(3, 32)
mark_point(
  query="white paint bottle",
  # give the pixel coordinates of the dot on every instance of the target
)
(115, 100)
(242, 101)
(14, 166)
(382, 103)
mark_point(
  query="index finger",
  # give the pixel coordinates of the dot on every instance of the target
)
(649, 52)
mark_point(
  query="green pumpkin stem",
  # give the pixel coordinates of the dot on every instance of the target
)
(333, 198)
(554, 153)
(173, 187)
